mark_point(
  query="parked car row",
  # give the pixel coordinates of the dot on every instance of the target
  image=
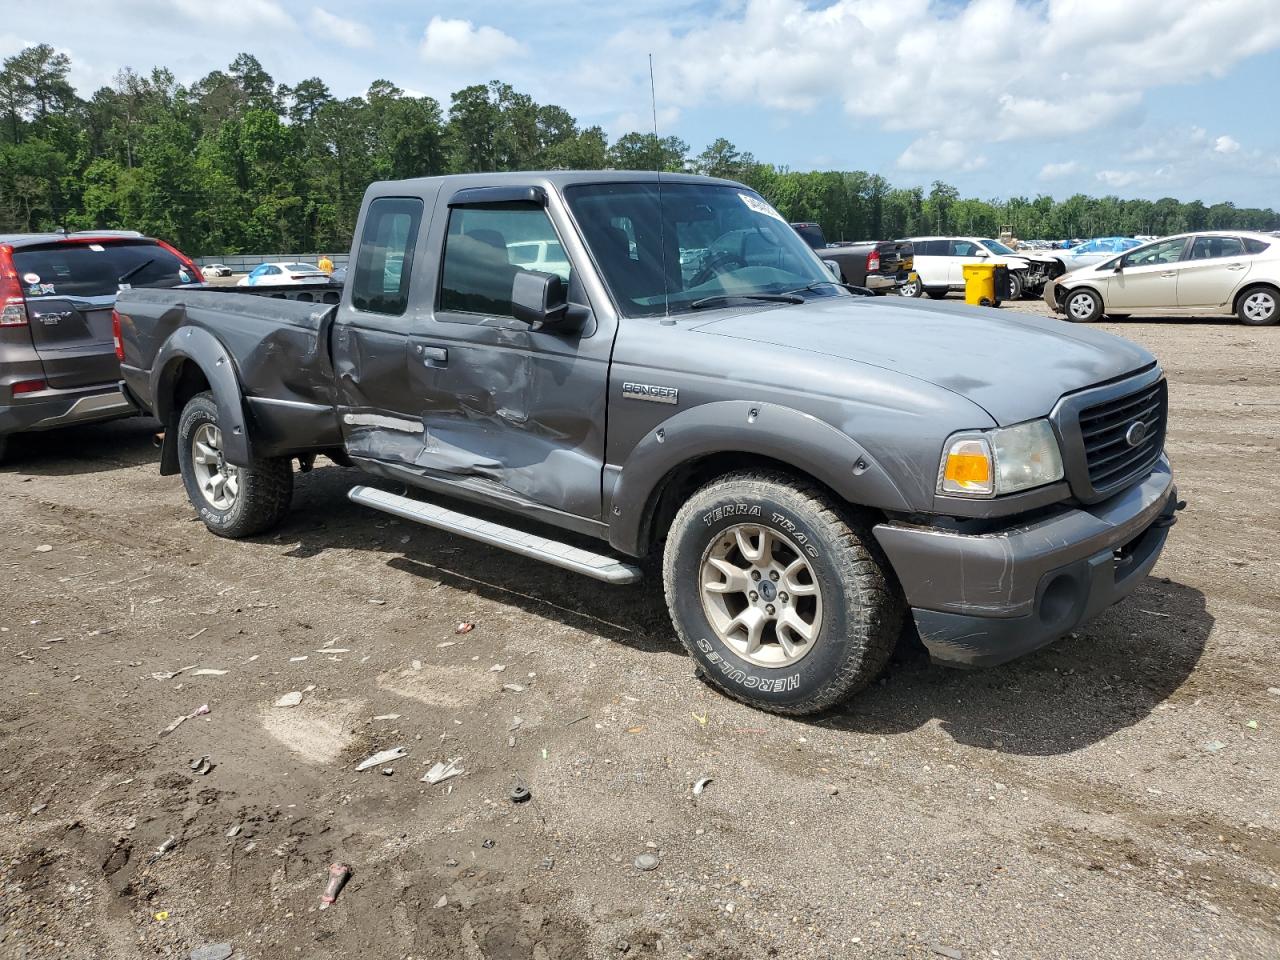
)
(939, 265)
(878, 265)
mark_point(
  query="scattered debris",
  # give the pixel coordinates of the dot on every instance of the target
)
(234, 831)
(701, 718)
(164, 848)
(335, 650)
(700, 786)
(647, 862)
(297, 659)
(951, 952)
(489, 844)
(442, 902)
(440, 772)
(513, 687)
(1274, 691)
(520, 793)
(497, 668)
(388, 771)
(38, 808)
(416, 665)
(585, 716)
(447, 643)
(199, 711)
(212, 951)
(161, 916)
(516, 723)
(378, 603)
(209, 672)
(383, 756)
(463, 627)
(201, 766)
(338, 874)
(387, 716)
(43, 548)
(1156, 613)
(291, 699)
(170, 674)
(548, 863)
(1252, 724)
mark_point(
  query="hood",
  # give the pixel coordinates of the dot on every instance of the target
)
(1015, 367)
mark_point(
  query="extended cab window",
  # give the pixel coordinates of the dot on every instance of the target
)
(484, 249)
(385, 258)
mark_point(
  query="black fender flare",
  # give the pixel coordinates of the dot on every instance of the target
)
(780, 433)
(199, 346)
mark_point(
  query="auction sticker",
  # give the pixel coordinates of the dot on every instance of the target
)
(31, 278)
(759, 206)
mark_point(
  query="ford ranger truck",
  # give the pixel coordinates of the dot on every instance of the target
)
(813, 467)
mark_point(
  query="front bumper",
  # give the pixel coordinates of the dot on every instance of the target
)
(50, 409)
(1051, 295)
(983, 599)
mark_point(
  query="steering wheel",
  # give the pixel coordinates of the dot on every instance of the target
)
(713, 264)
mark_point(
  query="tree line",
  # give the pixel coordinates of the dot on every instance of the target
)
(236, 162)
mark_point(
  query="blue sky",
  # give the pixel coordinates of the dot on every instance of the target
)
(1140, 98)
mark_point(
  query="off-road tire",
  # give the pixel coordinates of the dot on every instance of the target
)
(861, 608)
(937, 293)
(1080, 316)
(266, 485)
(1254, 318)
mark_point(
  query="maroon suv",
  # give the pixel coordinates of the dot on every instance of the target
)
(58, 362)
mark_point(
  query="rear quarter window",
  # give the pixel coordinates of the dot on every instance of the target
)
(1252, 245)
(97, 269)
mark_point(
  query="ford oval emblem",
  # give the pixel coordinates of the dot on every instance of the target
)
(1136, 433)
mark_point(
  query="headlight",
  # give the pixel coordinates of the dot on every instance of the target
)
(990, 463)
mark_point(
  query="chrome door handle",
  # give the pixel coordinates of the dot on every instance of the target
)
(431, 356)
(1171, 273)
(1235, 266)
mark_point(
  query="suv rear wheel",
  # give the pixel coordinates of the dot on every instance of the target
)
(781, 598)
(232, 501)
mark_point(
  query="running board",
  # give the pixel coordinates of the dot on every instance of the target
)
(597, 565)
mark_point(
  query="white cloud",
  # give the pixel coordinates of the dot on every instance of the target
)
(349, 33)
(940, 156)
(1056, 171)
(1119, 178)
(461, 43)
(1226, 144)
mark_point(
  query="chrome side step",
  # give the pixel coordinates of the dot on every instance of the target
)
(598, 565)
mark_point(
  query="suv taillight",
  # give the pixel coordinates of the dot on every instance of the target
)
(115, 334)
(197, 275)
(13, 305)
(873, 261)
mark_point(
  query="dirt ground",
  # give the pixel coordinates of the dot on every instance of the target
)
(1115, 795)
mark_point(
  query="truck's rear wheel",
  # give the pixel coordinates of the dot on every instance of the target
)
(232, 501)
(780, 598)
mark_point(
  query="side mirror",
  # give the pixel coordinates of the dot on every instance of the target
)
(834, 267)
(1119, 265)
(982, 254)
(538, 299)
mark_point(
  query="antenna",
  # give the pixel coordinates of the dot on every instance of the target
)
(653, 98)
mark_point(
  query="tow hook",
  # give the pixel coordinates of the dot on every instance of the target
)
(1169, 520)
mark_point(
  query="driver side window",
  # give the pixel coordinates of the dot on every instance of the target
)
(1168, 251)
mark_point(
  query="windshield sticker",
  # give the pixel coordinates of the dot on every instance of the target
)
(96, 247)
(31, 278)
(759, 206)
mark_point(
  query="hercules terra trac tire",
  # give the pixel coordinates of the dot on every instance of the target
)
(265, 488)
(860, 613)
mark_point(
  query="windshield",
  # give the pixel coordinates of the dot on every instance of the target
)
(94, 269)
(995, 246)
(663, 247)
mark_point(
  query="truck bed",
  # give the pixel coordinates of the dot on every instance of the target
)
(278, 347)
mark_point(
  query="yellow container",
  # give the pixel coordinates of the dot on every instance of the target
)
(980, 284)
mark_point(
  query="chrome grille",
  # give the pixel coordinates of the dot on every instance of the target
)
(1111, 456)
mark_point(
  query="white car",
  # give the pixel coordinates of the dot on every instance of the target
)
(216, 270)
(1211, 273)
(939, 265)
(546, 256)
(283, 274)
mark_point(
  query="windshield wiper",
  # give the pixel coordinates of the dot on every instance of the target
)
(860, 291)
(124, 277)
(724, 298)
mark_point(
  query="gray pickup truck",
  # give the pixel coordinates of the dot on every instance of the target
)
(811, 465)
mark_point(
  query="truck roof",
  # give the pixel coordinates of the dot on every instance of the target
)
(553, 178)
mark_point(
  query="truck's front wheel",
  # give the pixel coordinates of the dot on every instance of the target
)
(232, 501)
(782, 600)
